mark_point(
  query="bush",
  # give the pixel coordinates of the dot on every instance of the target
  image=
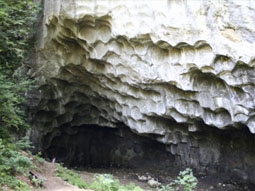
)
(185, 181)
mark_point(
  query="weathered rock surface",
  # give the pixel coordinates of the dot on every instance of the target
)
(181, 71)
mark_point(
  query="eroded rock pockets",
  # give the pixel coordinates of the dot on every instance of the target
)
(186, 94)
(142, 78)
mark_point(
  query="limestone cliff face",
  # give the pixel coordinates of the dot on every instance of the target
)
(167, 68)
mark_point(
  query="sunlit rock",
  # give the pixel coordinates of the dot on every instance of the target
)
(166, 68)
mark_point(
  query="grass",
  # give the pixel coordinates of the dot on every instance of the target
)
(39, 159)
(13, 164)
(185, 181)
(101, 182)
(9, 182)
(71, 177)
(107, 182)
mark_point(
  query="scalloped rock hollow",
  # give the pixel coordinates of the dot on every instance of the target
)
(180, 72)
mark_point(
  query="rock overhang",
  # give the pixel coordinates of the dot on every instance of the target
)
(164, 68)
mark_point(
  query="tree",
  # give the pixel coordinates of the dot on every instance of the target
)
(16, 19)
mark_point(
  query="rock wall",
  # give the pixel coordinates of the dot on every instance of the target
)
(180, 71)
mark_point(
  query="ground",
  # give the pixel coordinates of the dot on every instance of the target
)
(127, 176)
(54, 183)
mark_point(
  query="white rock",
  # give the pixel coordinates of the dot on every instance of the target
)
(154, 183)
(136, 57)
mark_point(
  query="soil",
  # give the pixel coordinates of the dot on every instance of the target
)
(52, 182)
(127, 176)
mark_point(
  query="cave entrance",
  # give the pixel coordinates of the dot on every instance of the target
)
(95, 146)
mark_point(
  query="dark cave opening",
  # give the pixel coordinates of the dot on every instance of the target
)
(228, 154)
(95, 146)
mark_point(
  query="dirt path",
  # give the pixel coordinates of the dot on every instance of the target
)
(54, 183)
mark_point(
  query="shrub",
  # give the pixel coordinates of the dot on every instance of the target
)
(185, 181)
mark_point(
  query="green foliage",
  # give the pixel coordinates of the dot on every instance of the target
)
(10, 98)
(13, 162)
(71, 177)
(36, 182)
(169, 187)
(107, 182)
(101, 182)
(39, 159)
(14, 183)
(16, 18)
(23, 144)
(185, 181)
